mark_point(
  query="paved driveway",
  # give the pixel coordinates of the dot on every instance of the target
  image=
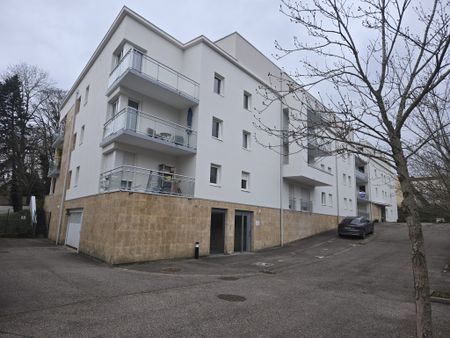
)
(323, 286)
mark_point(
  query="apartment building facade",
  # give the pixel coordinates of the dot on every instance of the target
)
(158, 150)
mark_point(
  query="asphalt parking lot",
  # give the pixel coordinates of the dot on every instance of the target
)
(323, 286)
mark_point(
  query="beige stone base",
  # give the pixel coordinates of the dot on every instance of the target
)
(124, 227)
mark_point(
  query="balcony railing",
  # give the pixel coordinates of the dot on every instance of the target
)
(320, 168)
(360, 176)
(151, 126)
(59, 138)
(155, 71)
(303, 205)
(363, 196)
(54, 169)
(130, 178)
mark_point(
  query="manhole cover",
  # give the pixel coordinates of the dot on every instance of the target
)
(231, 298)
(228, 278)
(171, 269)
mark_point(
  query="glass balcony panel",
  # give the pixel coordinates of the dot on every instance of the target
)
(130, 178)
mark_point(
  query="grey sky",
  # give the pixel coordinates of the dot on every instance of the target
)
(60, 36)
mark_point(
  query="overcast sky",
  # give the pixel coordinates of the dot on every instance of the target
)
(59, 36)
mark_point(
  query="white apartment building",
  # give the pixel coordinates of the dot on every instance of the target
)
(158, 150)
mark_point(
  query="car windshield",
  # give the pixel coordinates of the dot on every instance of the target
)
(357, 220)
(346, 220)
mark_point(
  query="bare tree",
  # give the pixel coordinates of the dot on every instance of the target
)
(378, 61)
(431, 164)
(30, 129)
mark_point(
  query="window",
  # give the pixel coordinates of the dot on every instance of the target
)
(323, 197)
(345, 203)
(114, 106)
(77, 176)
(247, 100)
(350, 181)
(329, 170)
(322, 166)
(69, 179)
(74, 142)
(350, 202)
(344, 179)
(245, 180)
(77, 105)
(376, 192)
(245, 139)
(330, 200)
(118, 57)
(214, 174)
(218, 84)
(82, 134)
(86, 95)
(217, 128)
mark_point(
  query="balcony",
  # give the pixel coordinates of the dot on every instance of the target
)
(361, 177)
(130, 178)
(362, 197)
(151, 78)
(59, 140)
(53, 170)
(137, 128)
(304, 206)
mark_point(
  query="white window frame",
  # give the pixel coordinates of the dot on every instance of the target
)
(246, 135)
(247, 100)
(330, 200)
(218, 174)
(323, 198)
(86, 94)
(245, 176)
(77, 176)
(221, 87)
(82, 130)
(219, 128)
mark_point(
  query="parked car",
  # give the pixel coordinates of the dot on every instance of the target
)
(355, 226)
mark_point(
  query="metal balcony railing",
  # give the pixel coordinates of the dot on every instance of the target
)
(157, 72)
(54, 169)
(359, 175)
(305, 206)
(364, 196)
(58, 138)
(130, 178)
(151, 126)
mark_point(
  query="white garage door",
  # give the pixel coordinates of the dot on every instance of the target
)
(74, 228)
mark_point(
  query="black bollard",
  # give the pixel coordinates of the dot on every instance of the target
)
(197, 249)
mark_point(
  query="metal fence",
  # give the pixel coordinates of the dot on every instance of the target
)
(130, 178)
(157, 72)
(151, 126)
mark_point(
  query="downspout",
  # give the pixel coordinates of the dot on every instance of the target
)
(63, 194)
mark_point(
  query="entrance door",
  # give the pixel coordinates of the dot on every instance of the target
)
(242, 231)
(132, 116)
(74, 229)
(217, 238)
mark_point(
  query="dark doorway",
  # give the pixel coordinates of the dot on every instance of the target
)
(383, 214)
(242, 231)
(217, 238)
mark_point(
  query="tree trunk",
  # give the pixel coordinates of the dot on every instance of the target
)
(419, 263)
